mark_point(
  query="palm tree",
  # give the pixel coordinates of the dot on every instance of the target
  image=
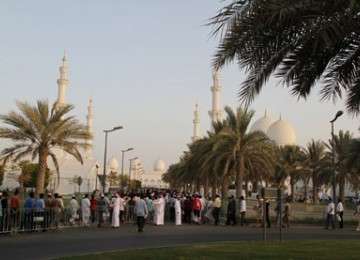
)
(37, 131)
(244, 148)
(343, 172)
(301, 42)
(353, 163)
(314, 153)
(289, 164)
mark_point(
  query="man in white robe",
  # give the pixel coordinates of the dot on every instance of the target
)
(115, 204)
(85, 210)
(159, 210)
(73, 207)
(177, 212)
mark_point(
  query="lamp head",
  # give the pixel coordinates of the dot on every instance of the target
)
(117, 128)
(338, 114)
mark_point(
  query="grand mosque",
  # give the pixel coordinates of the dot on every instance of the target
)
(70, 169)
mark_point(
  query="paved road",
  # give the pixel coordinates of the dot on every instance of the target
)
(76, 241)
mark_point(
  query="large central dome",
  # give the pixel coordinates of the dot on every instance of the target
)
(282, 133)
(159, 166)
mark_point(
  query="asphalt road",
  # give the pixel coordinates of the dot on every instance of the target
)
(77, 241)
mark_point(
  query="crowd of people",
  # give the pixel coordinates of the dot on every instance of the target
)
(151, 207)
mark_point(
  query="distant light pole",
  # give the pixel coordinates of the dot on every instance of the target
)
(338, 114)
(122, 163)
(106, 134)
(130, 160)
(97, 175)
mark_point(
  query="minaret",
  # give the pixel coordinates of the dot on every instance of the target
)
(89, 124)
(196, 122)
(215, 113)
(62, 83)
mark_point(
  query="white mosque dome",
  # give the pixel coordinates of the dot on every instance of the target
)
(262, 124)
(159, 165)
(113, 163)
(282, 133)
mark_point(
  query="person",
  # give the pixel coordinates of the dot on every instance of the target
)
(29, 211)
(107, 208)
(196, 209)
(231, 211)
(267, 213)
(57, 206)
(101, 206)
(277, 210)
(73, 208)
(122, 209)
(259, 210)
(40, 210)
(177, 208)
(159, 210)
(93, 205)
(115, 205)
(5, 212)
(85, 210)
(209, 211)
(172, 201)
(340, 213)
(48, 210)
(141, 212)
(330, 214)
(216, 209)
(286, 217)
(149, 204)
(187, 209)
(357, 214)
(1, 215)
(243, 211)
(14, 210)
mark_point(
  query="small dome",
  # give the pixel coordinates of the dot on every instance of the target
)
(282, 133)
(262, 124)
(159, 166)
(113, 164)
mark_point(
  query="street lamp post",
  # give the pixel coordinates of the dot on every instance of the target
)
(106, 134)
(97, 175)
(122, 163)
(130, 160)
(338, 114)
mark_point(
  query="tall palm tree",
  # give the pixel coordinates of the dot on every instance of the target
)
(301, 42)
(37, 130)
(353, 163)
(343, 173)
(244, 148)
(289, 164)
(314, 153)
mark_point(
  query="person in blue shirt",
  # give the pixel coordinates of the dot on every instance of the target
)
(141, 212)
(40, 210)
(29, 211)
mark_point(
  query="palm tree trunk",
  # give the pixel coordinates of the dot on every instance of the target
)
(292, 188)
(315, 188)
(224, 186)
(342, 189)
(239, 176)
(40, 180)
(206, 186)
(214, 186)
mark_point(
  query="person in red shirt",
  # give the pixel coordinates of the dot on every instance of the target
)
(197, 209)
(93, 208)
(14, 209)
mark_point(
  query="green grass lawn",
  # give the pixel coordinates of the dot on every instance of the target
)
(311, 249)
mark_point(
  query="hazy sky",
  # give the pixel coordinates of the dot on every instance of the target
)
(145, 63)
